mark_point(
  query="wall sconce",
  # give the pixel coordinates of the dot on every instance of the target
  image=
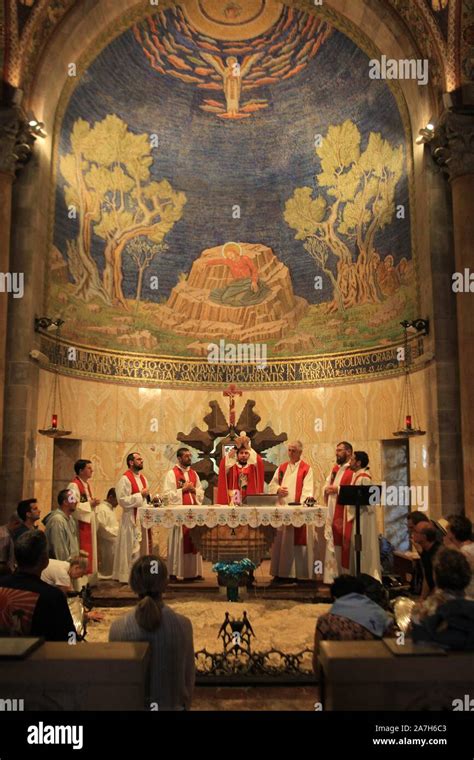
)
(36, 128)
(417, 325)
(426, 134)
(47, 323)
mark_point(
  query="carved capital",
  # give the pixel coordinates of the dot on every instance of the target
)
(453, 144)
(16, 140)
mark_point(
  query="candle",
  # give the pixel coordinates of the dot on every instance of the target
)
(408, 421)
(54, 421)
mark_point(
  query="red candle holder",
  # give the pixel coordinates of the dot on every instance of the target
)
(54, 421)
(408, 422)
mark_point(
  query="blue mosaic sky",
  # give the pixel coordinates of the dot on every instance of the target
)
(255, 162)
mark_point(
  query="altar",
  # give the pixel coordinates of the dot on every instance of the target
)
(224, 533)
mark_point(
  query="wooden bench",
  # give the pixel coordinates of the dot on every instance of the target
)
(60, 676)
(365, 675)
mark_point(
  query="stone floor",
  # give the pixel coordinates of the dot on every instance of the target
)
(285, 624)
(258, 698)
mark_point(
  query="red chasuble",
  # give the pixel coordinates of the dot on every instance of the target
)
(346, 546)
(248, 480)
(85, 529)
(135, 489)
(299, 534)
(338, 519)
(187, 498)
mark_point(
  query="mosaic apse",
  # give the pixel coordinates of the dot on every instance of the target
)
(230, 171)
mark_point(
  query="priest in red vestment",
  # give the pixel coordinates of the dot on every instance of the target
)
(292, 550)
(132, 493)
(85, 515)
(240, 470)
(340, 475)
(182, 486)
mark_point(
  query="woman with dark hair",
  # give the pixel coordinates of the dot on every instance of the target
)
(370, 555)
(170, 635)
(354, 616)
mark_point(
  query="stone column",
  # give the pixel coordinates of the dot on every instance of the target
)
(14, 142)
(26, 257)
(446, 407)
(453, 150)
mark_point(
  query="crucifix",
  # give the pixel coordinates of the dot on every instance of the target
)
(231, 392)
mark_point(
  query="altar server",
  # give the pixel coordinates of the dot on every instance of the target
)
(107, 532)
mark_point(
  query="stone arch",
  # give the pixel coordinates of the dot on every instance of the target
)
(72, 38)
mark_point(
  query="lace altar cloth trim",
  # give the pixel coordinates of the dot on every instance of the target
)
(212, 516)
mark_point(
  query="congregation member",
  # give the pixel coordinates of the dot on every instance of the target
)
(182, 486)
(85, 511)
(340, 475)
(452, 575)
(459, 536)
(172, 670)
(424, 536)
(107, 532)
(292, 550)
(416, 517)
(61, 528)
(242, 470)
(446, 618)
(370, 554)
(64, 576)
(354, 616)
(132, 492)
(29, 514)
(416, 580)
(28, 605)
(7, 554)
(62, 573)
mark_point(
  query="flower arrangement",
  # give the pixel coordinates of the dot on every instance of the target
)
(234, 569)
(232, 575)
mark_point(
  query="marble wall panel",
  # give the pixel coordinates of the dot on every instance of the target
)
(112, 420)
